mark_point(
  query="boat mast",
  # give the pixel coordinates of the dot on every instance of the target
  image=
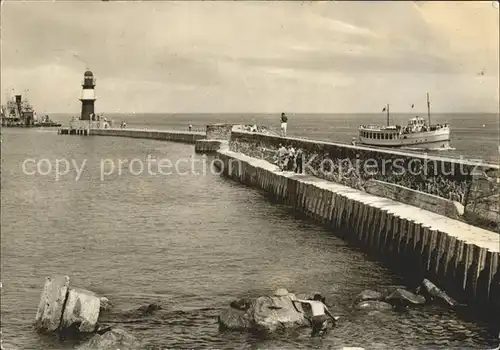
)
(387, 114)
(428, 109)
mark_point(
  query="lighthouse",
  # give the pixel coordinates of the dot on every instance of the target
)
(88, 96)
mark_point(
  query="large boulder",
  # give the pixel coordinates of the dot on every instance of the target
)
(373, 305)
(112, 340)
(66, 309)
(265, 313)
(142, 311)
(401, 297)
(368, 295)
(81, 311)
(51, 306)
(105, 304)
(429, 289)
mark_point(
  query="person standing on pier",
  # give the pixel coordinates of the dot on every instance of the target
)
(291, 159)
(282, 156)
(284, 121)
(299, 161)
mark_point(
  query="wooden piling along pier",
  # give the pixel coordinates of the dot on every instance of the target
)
(459, 257)
(68, 131)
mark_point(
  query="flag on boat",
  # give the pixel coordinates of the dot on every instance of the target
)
(383, 110)
(412, 105)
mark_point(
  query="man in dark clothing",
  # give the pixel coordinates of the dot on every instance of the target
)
(299, 161)
(284, 121)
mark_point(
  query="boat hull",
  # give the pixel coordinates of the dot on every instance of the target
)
(427, 139)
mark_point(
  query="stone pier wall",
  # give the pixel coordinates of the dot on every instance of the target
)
(472, 184)
(219, 131)
(209, 146)
(458, 257)
(164, 135)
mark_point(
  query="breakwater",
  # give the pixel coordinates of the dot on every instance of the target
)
(371, 204)
(471, 184)
(462, 258)
(216, 136)
(164, 135)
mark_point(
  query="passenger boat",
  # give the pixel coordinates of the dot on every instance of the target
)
(416, 134)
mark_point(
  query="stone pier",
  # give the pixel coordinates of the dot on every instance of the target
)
(461, 258)
(437, 218)
(164, 135)
(217, 135)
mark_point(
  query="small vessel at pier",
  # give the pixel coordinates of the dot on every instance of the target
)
(416, 134)
(18, 112)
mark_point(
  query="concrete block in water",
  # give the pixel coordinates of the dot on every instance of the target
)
(50, 309)
(81, 310)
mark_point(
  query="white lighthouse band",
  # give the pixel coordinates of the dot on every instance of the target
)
(88, 94)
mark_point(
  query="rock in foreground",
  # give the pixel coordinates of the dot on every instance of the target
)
(81, 311)
(62, 308)
(373, 305)
(114, 339)
(265, 313)
(430, 290)
(51, 306)
(404, 298)
(105, 304)
(368, 295)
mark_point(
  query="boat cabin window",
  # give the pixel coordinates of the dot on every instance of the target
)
(390, 136)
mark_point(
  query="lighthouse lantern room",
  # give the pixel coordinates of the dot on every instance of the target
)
(88, 96)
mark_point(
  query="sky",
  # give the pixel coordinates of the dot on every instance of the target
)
(253, 57)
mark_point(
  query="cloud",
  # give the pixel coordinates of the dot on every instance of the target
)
(252, 56)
